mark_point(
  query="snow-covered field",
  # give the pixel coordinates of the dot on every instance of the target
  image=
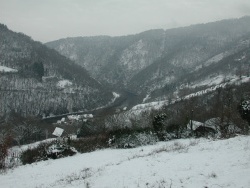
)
(181, 163)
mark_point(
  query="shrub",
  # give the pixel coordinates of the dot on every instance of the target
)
(3, 155)
(175, 131)
(91, 143)
(86, 129)
(127, 138)
(4, 145)
(158, 125)
(32, 155)
(45, 151)
(59, 150)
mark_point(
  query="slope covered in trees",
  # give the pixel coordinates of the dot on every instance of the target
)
(45, 82)
(149, 61)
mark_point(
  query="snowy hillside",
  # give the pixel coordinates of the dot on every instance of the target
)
(52, 83)
(181, 163)
(211, 85)
(150, 60)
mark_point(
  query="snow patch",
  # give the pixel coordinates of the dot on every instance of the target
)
(116, 95)
(210, 81)
(215, 59)
(64, 83)
(146, 98)
(74, 117)
(73, 57)
(7, 69)
(195, 124)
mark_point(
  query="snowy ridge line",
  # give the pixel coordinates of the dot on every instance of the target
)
(221, 85)
(158, 104)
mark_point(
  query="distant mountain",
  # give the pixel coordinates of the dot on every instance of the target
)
(233, 64)
(113, 60)
(36, 80)
(155, 60)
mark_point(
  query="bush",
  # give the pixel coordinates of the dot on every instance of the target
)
(86, 129)
(3, 155)
(158, 125)
(32, 155)
(45, 151)
(127, 138)
(58, 150)
(4, 145)
(175, 131)
(91, 143)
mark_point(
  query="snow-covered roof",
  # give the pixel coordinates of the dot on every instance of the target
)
(58, 131)
(212, 123)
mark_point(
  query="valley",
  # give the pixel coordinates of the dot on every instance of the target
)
(124, 94)
(156, 95)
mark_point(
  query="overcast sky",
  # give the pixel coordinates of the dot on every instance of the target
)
(47, 20)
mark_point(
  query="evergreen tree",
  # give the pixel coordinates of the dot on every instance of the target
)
(85, 129)
(38, 69)
(158, 125)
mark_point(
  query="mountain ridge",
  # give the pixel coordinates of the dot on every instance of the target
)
(149, 60)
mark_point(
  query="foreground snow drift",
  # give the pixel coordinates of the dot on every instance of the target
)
(180, 163)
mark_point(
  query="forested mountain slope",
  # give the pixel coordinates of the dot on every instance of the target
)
(113, 60)
(149, 61)
(233, 63)
(41, 81)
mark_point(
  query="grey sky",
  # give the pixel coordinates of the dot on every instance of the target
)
(47, 20)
